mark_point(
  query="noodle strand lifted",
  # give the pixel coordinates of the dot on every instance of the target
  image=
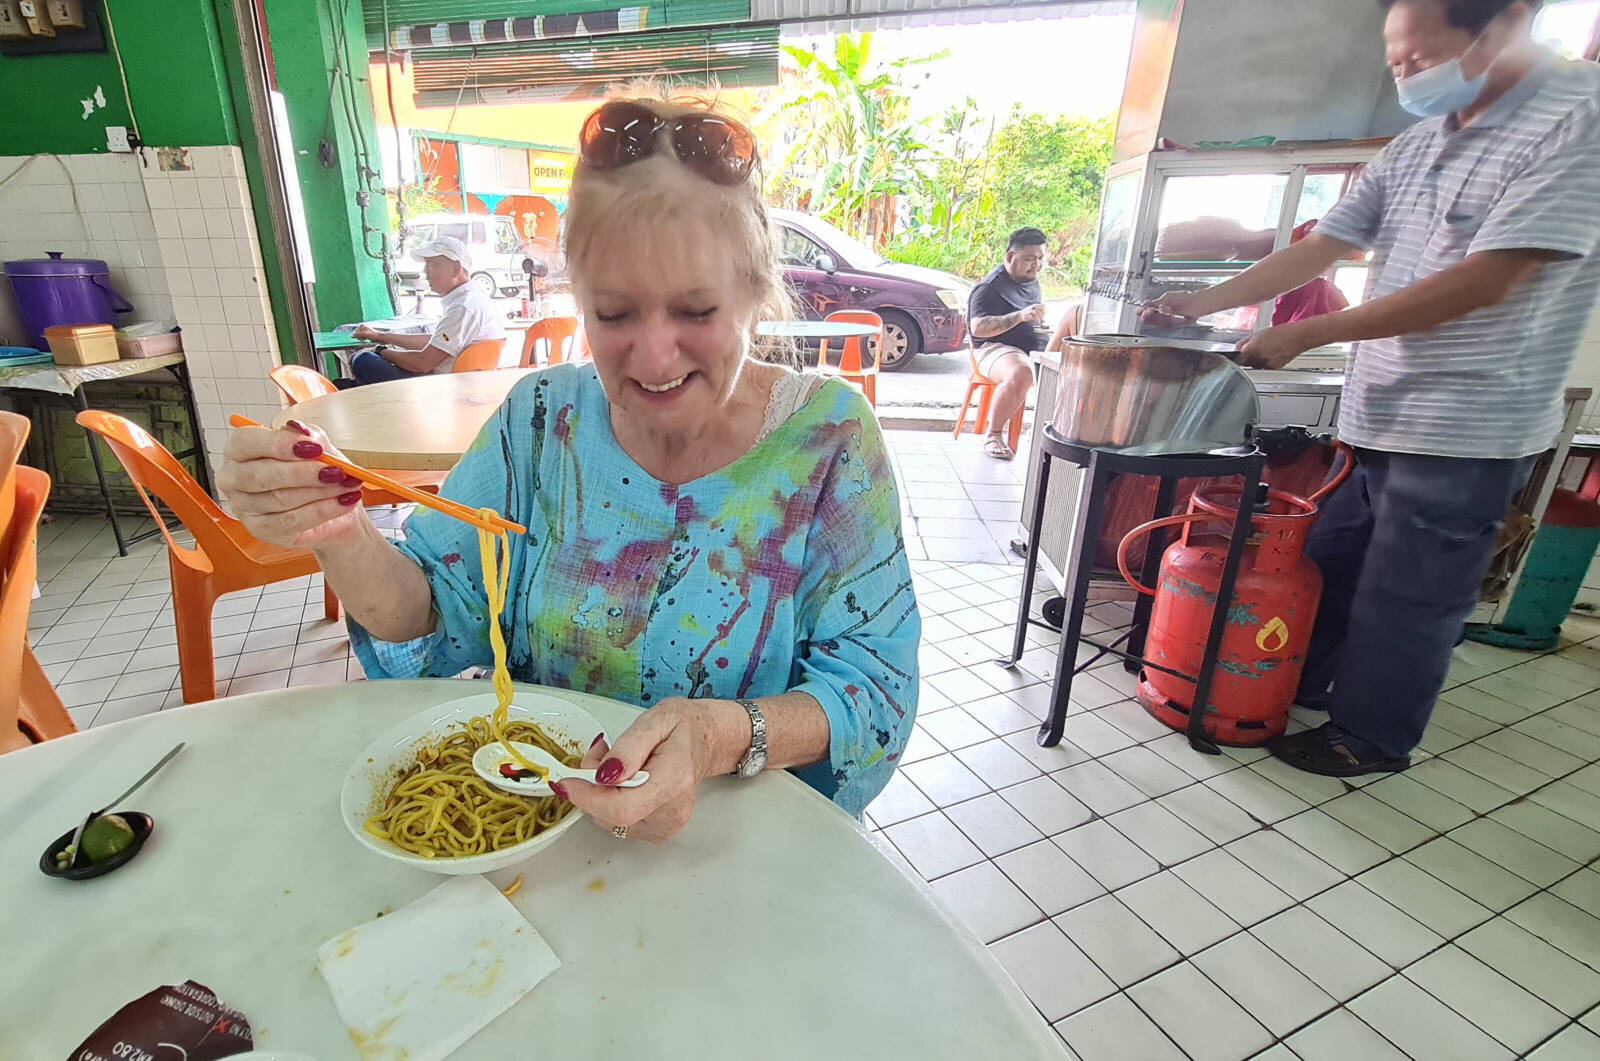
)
(439, 807)
(494, 552)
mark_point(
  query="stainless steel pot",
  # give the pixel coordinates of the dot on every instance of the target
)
(1147, 395)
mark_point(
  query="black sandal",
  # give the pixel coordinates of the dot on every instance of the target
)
(1327, 750)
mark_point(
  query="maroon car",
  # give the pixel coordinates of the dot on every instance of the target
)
(922, 309)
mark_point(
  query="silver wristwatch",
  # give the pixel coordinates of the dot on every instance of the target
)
(755, 760)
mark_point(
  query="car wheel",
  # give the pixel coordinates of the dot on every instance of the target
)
(486, 283)
(902, 340)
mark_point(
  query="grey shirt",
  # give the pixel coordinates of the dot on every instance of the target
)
(1524, 176)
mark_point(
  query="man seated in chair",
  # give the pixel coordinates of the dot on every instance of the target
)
(1006, 315)
(469, 317)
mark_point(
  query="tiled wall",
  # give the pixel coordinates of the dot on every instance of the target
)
(111, 221)
(177, 230)
(207, 234)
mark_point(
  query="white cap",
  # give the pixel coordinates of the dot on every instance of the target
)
(444, 247)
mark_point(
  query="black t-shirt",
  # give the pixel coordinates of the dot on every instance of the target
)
(997, 295)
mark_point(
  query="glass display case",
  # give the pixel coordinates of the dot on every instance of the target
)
(1184, 220)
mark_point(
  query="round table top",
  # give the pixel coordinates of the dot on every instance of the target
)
(815, 329)
(422, 424)
(771, 927)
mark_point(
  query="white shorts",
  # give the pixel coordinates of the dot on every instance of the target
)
(989, 355)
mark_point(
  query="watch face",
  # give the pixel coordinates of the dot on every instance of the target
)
(753, 764)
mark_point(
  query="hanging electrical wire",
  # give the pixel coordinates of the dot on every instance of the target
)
(133, 120)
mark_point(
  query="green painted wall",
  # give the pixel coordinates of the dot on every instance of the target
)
(173, 58)
(185, 77)
(308, 42)
(254, 170)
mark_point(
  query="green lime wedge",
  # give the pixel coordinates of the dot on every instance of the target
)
(106, 837)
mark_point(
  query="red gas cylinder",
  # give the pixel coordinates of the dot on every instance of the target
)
(1269, 618)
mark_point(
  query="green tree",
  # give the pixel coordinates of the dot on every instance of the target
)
(855, 145)
(1035, 169)
(1047, 172)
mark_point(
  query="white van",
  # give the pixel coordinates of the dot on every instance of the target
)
(497, 251)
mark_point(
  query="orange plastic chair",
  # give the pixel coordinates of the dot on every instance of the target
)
(30, 710)
(850, 365)
(225, 557)
(555, 333)
(301, 384)
(984, 386)
(479, 356)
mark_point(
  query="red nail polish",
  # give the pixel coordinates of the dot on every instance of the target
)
(560, 791)
(308, 450)
(610, 772)
(333, 476)
(353, 497)
(349, 481)
(599, 738)
(295, 425)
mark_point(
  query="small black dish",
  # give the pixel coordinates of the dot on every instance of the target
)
(141, 824)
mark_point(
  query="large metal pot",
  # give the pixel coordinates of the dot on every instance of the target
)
(1147, 395)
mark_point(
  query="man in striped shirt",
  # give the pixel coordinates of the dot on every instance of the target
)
(1485, 221)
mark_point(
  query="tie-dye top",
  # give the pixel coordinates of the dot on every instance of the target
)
(785, 570)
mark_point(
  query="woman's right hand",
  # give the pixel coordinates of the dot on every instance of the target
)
(283, 494)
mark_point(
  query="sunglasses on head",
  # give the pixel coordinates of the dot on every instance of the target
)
(622, 133)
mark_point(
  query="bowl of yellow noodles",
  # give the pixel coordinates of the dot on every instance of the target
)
(413, 795)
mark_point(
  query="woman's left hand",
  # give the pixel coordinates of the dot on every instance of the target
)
(672, 742)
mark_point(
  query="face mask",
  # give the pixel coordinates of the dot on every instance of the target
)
(1440, 90)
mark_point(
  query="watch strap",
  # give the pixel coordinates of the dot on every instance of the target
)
(755, 760)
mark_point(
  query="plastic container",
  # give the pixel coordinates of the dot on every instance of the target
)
(150, 345)
(55, 290)
(82, 344)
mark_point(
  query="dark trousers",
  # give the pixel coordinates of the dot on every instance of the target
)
(1403, 547)
(370, 367)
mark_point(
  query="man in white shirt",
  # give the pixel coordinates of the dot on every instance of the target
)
(469, 316)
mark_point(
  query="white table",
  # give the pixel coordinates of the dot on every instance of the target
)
(815, 329)
(70, 380)
(770, 928)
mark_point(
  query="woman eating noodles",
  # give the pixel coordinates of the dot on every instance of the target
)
(709, 535)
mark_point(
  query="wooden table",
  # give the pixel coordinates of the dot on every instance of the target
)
(770, 928)
(422, 424)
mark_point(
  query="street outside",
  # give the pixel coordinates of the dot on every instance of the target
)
(929, 382)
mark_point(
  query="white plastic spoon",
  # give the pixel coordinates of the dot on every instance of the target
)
(488, 759)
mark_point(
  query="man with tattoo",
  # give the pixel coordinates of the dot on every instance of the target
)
(1006, 316)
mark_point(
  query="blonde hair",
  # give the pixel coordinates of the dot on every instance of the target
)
(636, 204)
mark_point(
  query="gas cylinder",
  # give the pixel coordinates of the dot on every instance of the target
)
(1269, 617)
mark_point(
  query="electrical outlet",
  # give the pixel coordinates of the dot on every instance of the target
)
(117, 138)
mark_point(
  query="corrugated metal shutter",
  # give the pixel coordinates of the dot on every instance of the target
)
(584, 68)
(658, 14)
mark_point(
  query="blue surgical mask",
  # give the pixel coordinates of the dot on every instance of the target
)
(1439, 90)
(1442, 89)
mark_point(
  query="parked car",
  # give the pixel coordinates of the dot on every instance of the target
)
(828, 270)
(497, 251)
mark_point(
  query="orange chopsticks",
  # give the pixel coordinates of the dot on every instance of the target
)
(382, 482)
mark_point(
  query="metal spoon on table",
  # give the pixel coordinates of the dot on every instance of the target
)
(489, 759)
(77, 836)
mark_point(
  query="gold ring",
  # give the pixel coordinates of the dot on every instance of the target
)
(620, 832)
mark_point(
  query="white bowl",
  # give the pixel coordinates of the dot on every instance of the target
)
(375, 769)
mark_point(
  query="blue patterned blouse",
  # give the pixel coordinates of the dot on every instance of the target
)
(785, 570)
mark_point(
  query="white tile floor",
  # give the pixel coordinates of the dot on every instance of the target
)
(1152, 902)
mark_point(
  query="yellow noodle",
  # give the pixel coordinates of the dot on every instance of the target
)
(494, 556)
(439, 807)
